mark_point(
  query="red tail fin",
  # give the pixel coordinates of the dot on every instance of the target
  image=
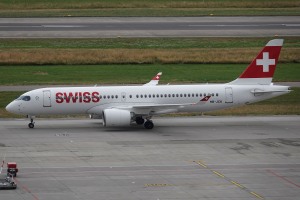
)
(262, 68)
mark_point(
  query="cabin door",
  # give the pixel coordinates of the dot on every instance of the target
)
(228, 95)
(47, 98)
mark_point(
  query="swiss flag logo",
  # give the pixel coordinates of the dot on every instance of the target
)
(263, 66)
(205, 98)
(265, 62)
(156, 77)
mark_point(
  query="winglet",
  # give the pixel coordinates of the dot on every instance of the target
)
(154, 81)
(157, 77)
(262, 68)
(203, 100)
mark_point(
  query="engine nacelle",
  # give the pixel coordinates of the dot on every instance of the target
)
(116, 117)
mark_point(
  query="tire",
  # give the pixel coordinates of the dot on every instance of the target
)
(148, 125)
(31, 125)
(139, 120)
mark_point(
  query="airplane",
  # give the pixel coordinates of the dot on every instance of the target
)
(121, 106)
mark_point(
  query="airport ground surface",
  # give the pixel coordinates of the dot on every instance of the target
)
(181, 158)
(98, 27)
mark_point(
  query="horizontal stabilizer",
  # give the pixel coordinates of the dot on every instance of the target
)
(267, 91)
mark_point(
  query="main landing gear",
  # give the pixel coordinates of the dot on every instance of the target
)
(148, 124)
(31, 124)
(139, 120)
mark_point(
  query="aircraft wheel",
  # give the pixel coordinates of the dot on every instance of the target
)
(148, 124)
(139, 120)
(31, 125)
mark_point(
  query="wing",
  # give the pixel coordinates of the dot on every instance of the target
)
(157, 109)
(146, 109)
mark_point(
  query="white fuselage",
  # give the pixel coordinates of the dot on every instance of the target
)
(93, 100)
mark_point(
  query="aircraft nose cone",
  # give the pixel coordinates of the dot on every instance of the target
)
(11, 108)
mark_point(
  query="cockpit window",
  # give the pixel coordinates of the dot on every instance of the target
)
(24, 98)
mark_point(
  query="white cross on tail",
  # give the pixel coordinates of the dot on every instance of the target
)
(265, 62)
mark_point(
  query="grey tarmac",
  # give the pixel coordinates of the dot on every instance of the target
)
(108, 27)
(191, 158)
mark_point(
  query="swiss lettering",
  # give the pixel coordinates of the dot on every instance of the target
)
(77, 97)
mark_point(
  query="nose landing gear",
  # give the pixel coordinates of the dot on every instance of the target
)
(31, 124)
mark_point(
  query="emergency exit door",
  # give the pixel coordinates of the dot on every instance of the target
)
(47, 98)
(228, 95)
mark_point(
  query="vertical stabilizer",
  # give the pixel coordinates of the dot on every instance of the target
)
(262, 68)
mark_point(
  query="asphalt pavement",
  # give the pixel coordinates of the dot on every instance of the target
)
(98, 27)
(190, 158)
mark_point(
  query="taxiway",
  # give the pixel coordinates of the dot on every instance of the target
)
(98, 27)
(187, 158)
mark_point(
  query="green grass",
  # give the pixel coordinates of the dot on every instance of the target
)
(79, 4)
(143, 43)
(139, 50)
(137, 74)
(151, 12)
(52, 8)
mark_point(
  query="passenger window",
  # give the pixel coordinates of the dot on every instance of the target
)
(196, 94)
(137, 96)
(130, 96)
(184, 95)
(116, 96)
(157, 95)
(189, 95)
(104, 97)
(180, 95)
(217, 94)
(149, 95)
(177, 95)
(169, 95)
(141, 96)
(108, 96)
(173, 95)
(193, 95)
(165, 95)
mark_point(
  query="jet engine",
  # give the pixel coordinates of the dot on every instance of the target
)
(116, 117)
